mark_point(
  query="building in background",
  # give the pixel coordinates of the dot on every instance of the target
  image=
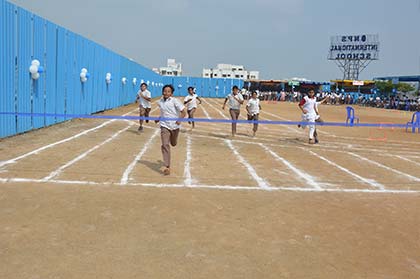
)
(231, 71)
(172, 69)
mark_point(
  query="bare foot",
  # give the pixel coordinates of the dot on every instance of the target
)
(167, 171)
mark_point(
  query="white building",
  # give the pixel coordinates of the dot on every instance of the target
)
(230, 71)
(172, 68)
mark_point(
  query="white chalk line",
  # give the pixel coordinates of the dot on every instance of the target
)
(308, 178)
(405, 159)
(389, 142)
(207, 116)
(365, 180)
(411, 177)
(260, 181)
(241, 116)
(205, 112)
(187, 165)
(213, 107)
(294, 130)
(371, 182)
(36, 151)
(283, 119)
(212, 187)
(244, 142)
(58, 171)
(130, 168)
(331, 147)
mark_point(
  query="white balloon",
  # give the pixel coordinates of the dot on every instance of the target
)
(142, 81)
(153, 83)
(35, 76)
(124, 80)
(33, 69)
(83, 79)
(82, 75)
(108, 74)
(84, 70)
(36, 63)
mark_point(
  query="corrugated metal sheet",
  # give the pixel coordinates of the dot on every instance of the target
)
(24, 58)
(38, 87)
(25, 36)
(7, 67)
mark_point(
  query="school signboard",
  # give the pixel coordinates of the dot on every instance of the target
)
(354, 47)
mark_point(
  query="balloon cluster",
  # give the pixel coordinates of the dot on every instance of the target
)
(134, 81)
(84, 75)
(108, 78)
(35, 69)
(124, 80)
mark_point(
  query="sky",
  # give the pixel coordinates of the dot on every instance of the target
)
(279, 38)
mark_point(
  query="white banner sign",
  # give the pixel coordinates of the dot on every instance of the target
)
(358, 47)
(358, 82)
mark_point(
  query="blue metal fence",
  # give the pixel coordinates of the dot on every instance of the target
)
(62, 53)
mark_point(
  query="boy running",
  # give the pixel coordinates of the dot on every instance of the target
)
(235, 101)
(145, 98)
(191, 102)
(253, 108)
(169, 129)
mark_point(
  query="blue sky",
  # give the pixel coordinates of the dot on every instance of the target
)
(280, 38)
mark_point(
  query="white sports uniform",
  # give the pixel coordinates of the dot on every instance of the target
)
(310, 115)
(193, 103)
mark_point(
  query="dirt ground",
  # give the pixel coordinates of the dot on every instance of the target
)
(86, 199)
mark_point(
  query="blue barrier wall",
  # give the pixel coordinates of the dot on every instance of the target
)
(62, 53)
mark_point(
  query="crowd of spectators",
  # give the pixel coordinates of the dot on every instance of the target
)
(399, 102)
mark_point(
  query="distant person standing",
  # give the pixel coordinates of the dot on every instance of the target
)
(235, 100)
(169, 129)
(253, 108)
(144, 97)
(309, 113)
(191, 102)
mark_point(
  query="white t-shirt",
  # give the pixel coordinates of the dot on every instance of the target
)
(171, 108)
(143, 102)
(233, 103)
(309, 105)
(193, 103)
(254, 106)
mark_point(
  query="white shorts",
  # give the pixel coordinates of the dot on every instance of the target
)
(308, 118)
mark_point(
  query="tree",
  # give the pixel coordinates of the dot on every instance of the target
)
(405, 87)
(387, 86)
(384, 86)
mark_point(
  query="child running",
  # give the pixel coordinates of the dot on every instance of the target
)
(253, 108)
(169, 129)
(308, 107)
(145, 98)
(191, 102)
(235, 101)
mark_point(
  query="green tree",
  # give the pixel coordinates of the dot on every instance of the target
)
(405, 87)
(384, 86)
(387, 86)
